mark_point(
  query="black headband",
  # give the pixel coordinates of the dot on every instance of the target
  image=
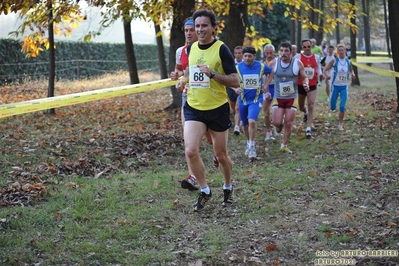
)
(249, 49)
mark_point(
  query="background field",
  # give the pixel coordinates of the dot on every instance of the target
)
(99, 184)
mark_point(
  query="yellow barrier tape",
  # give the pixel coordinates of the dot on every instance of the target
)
(372, 53)
(373, 60)
(377, 70)
(82, 97)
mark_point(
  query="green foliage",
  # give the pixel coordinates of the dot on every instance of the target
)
(92, 59)
(274, 25)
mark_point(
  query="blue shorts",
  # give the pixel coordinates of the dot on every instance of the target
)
(216, 119)
(249, 111)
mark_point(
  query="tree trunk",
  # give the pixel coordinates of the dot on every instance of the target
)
(355, 81)
(182, 9)
(130, 56)
(299, 32)
(51, 77)
(236, 23)
(360, 38)
(163, 71)
(292, 28)
(386, 28)
(337, 28)
(320, 33)
(366, 28)
(393, 7)
(312, 18)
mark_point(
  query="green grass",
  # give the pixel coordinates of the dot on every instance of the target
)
(135, 214)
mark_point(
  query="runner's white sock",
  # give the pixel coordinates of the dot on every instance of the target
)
(229, 187)
(206, 189)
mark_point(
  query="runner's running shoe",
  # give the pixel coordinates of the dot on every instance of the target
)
(269, 137)
(252, 153)
(236, 130)
(202, 200)
(308, 134)
(227, 197)
(286, 149)
(190, 183)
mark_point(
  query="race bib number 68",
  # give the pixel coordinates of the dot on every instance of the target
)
(198, 79)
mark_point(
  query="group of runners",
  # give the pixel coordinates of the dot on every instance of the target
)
(215, 84)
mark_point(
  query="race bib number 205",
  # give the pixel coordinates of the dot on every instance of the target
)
(251, 81)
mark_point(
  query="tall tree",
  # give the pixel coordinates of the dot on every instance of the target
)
(274, 25)
(386, 27)
(313, 19)
(320, 32)
(51, 78)
(353, 31)
(182, 9)
(161, 52)
(393, 7)
(158, 12)
(299, 32)
(366, 25)
(177, 11)
(129, 50)
(237, 22)
(292, 28)
(337, 35)
(51, 16)
(127, 10)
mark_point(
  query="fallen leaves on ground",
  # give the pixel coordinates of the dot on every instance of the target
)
(22, 193)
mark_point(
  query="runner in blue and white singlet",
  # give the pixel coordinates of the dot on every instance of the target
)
(250, 100)
(341, 69)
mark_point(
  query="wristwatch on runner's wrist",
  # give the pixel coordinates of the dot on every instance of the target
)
(213, 73)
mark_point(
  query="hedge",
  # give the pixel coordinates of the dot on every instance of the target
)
(73, 60)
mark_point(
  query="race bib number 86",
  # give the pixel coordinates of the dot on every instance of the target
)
(286, 88)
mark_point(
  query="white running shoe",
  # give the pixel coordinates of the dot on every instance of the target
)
(252, 153)
(275, 132)
(247, 149)
(308, 134)
(237, 130)
(269, 137)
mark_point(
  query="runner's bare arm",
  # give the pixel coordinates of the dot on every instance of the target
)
(352, 72)
(303, 76)
(183, 81)
(230, 80)
(271, 75)
(327, 68)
